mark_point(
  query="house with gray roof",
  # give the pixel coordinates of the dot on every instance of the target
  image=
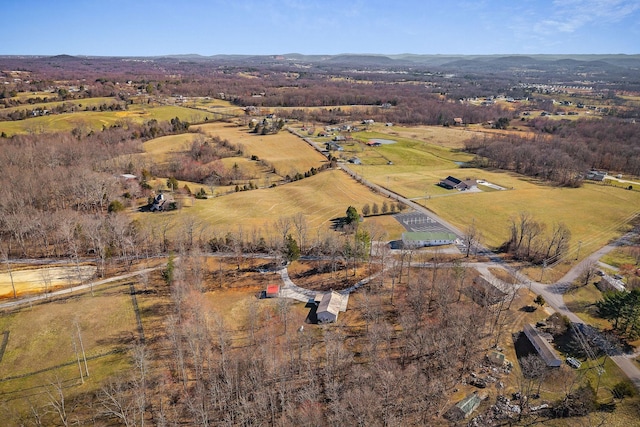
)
(542, 346)
(329, 306)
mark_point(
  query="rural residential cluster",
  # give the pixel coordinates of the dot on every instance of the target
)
(300, 240)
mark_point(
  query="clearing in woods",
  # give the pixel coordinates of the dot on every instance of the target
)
(36, 280)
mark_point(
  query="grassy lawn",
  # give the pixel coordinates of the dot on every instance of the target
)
(581, 301)
(618, 257)
(40, 346)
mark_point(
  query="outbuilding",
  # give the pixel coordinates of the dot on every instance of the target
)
(453, 183)
(464, 408)
(272, 291)
(484, 293)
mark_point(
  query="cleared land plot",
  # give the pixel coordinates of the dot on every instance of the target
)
(595, 214)
(438, 135)
(80, 104)
(36, 280)
(161, 148)
(412, 152)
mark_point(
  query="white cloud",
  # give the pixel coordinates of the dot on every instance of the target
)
(568, 16)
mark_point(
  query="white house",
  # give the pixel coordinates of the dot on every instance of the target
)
(329, 307)
(418, 239)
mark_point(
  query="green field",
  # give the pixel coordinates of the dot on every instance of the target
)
(80, 104)
(97, 119)
(595, 214)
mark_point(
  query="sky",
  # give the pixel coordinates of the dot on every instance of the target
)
(270, 27)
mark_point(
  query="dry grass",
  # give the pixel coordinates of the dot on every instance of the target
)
(287, 153)
(595, 214)
(161, 148)
(449, 137)
(40, 345)
(320, 198)
(34, 280)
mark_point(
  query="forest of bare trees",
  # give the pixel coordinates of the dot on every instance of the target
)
(563, 152)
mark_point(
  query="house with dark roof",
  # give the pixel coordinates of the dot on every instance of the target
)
(483, 292)
(596, 175)
(452, 183)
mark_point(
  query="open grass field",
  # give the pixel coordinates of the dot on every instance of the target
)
(97, 119)
(321, 198)
(438, 135)
(161, 148)
(287, 153)
(80, 104)
(595, 214)
(40, 345)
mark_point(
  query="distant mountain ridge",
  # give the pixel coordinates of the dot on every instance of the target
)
(454, 63)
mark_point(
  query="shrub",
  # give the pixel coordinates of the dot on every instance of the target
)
(622, 389)
(115, 206)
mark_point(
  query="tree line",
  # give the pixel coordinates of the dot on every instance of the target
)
(562, 156)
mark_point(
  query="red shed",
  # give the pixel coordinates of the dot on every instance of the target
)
(272, 291)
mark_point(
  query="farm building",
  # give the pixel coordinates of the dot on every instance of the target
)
(464, 408)
(419, 239)
(272, 291)
(483, 292)
(329, 306)
(608, 283)
(452, 183)
(542, 346)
